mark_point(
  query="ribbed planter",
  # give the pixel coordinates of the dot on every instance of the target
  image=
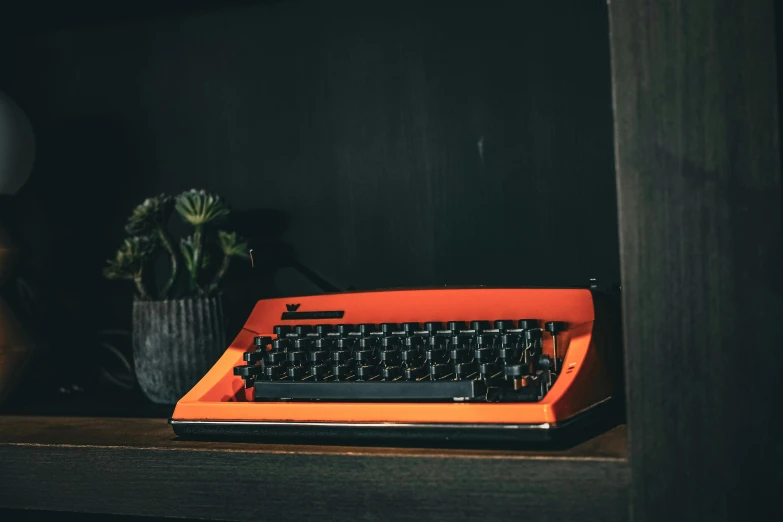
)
(175, 342)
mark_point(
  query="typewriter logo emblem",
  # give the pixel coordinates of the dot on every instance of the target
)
(292, 307)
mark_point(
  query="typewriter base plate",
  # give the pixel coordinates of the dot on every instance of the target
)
(324, 432)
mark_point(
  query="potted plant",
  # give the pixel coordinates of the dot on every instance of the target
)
(176, 339)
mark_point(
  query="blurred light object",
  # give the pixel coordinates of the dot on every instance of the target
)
(17, 146)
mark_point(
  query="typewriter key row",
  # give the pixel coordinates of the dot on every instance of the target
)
(499, 354)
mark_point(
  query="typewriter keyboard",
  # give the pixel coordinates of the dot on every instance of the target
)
(491, 361)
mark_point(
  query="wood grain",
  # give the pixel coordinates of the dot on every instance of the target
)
(137, 467)
(698, 176)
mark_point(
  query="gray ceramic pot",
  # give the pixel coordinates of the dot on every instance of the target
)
(175, 342)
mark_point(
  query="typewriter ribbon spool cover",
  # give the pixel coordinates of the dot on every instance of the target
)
(457, 363)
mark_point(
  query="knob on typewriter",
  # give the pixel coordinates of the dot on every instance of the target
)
(365, 373)
(456, 326)
(324, 344)
(526, 324)
(262, 341)
(533, 335)
(439, 371)
(323, 329)
(303, 344)
(413, 342)
(345, 329)
(433, 326)
(344, 344)
(366, 328)
(390, 373)
(479, 325)
(341, 371)
(409, 328)
(280, 345)
(555, 326)
(388, 328)
(302, 329)
(504, 324)
(275, 358)
(390, 343)
(465, 370)
(281, 330)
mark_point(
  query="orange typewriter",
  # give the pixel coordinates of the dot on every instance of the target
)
(459, 364)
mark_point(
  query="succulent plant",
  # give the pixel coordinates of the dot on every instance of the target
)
(152, 214)
(129, 261)
(147, 227)
(199, 207)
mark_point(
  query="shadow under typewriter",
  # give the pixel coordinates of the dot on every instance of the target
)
(359, 368)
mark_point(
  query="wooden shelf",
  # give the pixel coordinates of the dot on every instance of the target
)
(139, 467)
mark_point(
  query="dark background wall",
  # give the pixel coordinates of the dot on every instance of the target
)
(385, 144)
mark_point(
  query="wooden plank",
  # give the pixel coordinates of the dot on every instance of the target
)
(698, 177)
(137, 467)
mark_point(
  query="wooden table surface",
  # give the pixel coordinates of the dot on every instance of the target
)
(139, 467)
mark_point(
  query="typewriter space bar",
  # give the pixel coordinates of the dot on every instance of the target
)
(369, 391)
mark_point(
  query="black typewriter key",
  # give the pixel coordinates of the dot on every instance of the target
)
(296, 358)
(533, 335)
(489, 370)
(274, 373)
(342, 356)
(340, 372)
(527, 324)
(280, 345)
(555, 326)
(365, 373)
(318, 357)
(509, 354)
(504, 324)
(367, 343)
(485, 354)
(516, 370)
(301, 330)
(391, 343)
(415, 374)
(388, 328)
(391, 358)
(345, 344)
(439, 371)
(262, 341)
(412, 358)
(275, 358)
(365, 357)
(413, 343)
(296, 373)
(437, 342)
(254, 357)
(345, 329)
(303, 345)
(410, 328)
(366, 329)
(391, 373)
(248, 371)
(433, 327)
(480, 325)
(437, 355)
(456, 326)
(466, 370)
(461, 355)
(545, 362)
(323, 329)
(321, 345)
(281, 330)
(319, 371)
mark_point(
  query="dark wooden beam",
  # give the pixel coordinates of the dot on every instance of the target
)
(138, 467)
(698, 176)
